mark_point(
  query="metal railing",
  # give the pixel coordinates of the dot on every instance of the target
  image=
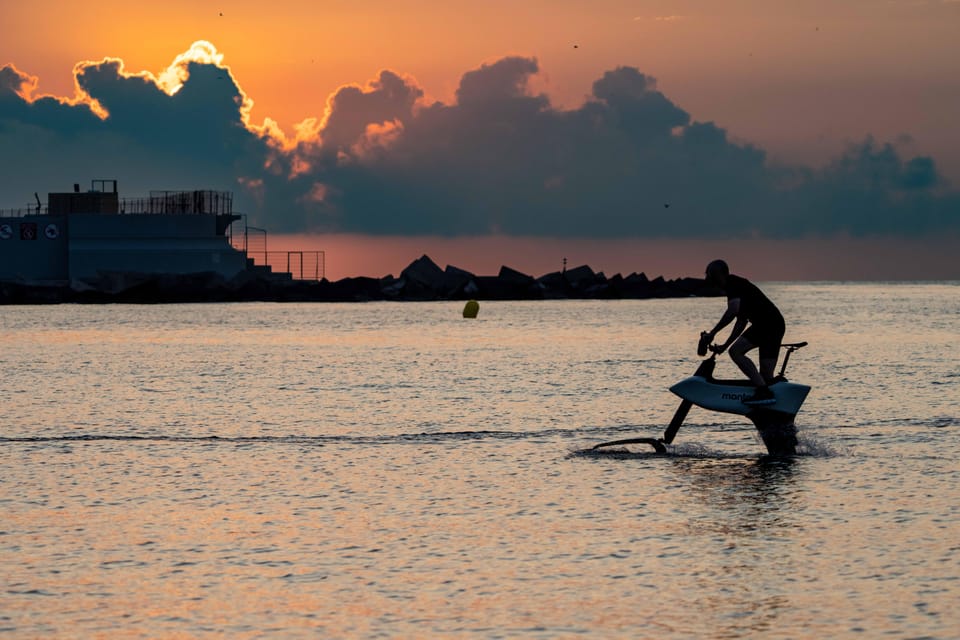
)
(301, 265)
(180, 202)
(29, 210)
(253, 241)
(158, 202)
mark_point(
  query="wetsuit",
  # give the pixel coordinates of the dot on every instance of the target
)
(766, 323)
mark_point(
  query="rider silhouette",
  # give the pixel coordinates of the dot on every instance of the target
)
(748, 305)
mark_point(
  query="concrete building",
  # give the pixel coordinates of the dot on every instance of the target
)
(81, 235)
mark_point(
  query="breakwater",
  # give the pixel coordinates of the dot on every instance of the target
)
(421, 280)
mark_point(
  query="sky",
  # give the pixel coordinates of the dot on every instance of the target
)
(797, 140)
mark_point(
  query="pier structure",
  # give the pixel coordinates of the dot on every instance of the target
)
(82, 235)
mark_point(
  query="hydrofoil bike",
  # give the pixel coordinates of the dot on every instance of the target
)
(774, 421)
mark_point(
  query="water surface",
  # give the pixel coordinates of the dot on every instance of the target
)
(365, 470)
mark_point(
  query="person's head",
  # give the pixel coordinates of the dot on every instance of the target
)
(717, 272)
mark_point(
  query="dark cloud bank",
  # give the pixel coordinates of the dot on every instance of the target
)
(627, 163)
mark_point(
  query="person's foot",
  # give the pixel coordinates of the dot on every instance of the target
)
(762, 395)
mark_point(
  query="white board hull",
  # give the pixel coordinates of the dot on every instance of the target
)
(727, 396)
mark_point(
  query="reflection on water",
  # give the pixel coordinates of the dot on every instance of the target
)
(747, 489)
(747, 511)
(392, 470)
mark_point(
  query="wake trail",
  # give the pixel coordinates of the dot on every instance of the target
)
(421, 437)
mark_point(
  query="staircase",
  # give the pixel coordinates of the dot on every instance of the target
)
(279, 265)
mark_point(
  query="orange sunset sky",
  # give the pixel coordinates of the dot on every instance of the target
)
(811, 139)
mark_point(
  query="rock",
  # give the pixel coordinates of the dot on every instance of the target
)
(424, 272)
(636, 286)
(580, 277)
(361, 289)
(554, 286)
(456, 282)
(423, 280)
(515, 278)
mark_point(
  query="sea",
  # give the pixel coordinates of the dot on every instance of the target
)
(393, 470)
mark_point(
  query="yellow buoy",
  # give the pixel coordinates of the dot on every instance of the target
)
(471, 308)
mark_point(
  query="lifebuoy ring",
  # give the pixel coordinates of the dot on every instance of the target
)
(28, 230)
(6, 232)
(51, 231)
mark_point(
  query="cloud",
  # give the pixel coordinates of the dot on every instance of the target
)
(186, 127)
(48, 115)
(500, 158)
(870, 189)
(14, 82)
(193, 105)
(503, 80)
(667, 18)
(353, 110)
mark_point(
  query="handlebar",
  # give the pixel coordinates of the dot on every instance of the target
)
(704, 346)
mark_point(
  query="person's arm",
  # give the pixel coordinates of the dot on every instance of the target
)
(733, 309)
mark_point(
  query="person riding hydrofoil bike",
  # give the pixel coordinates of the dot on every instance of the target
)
(748, 305)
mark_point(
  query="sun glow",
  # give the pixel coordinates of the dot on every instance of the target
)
(172, 78)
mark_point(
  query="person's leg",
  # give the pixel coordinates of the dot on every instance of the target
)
(769, 343)
(767, 366)
(738, 353)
